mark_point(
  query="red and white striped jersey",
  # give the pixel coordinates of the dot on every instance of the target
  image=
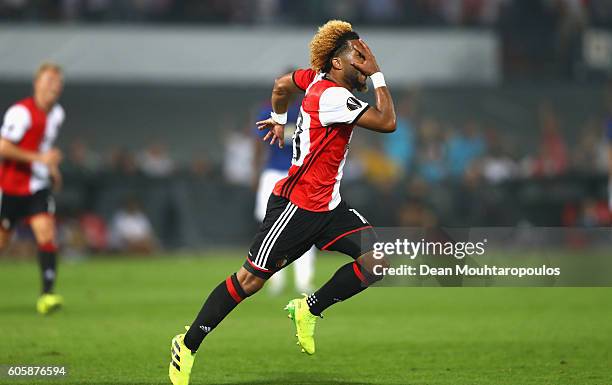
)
(320, 143)
(31, 129)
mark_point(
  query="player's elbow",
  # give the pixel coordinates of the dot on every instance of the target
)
(280, 86)
(389, 126)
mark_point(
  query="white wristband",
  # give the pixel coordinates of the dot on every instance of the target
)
(378, 80)
(279, 118)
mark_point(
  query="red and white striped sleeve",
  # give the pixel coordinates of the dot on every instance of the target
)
(17, 121)
(303, 77)
(339, 105)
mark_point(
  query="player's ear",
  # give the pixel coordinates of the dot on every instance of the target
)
(336, 63)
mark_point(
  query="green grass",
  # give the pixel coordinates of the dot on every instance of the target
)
(120, 315)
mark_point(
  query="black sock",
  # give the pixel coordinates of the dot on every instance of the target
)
(221, 301)
(48, 265)
(346, 282)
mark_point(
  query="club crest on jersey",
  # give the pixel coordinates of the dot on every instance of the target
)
(353, 104)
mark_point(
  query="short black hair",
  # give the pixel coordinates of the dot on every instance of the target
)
(340, 47)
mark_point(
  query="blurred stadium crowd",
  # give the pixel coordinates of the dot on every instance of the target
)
(429, 172)
(543, 13)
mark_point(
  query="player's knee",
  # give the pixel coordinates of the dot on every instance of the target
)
(249, 282)
(45, 239)
(44, 230)
(369, 266)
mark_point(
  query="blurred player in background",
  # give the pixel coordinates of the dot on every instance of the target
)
(609, 140)
(30, 169)
(305, 208)
(277, 162)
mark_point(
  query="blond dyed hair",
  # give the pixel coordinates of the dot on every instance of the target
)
(48, 66)
(324, 42)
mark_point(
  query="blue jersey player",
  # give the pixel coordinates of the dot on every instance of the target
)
(273, 163)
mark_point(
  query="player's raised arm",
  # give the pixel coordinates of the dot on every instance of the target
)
(283, 92)
(285, 87)
(380, 118)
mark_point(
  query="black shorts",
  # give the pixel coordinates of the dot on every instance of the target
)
(288, 231)
(14, 208)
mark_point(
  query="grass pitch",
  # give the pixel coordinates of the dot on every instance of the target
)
(120, 315)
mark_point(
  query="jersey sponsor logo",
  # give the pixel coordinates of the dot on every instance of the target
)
(353, 104)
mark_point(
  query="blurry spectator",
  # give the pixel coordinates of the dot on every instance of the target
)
(94, 231)
(594, 214)
(552, 159)
(377, 167)
(430, 155)
(470, 207)
(417, 188)
(122, 161)
(72, 237)
(84, 233)
(238, 158)
(200, 166)
(590, 155)
(399, 146)
(81, 157)
(131, 230)
(497, 165)
(156, 162)
(463, 148)
(414, 213)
